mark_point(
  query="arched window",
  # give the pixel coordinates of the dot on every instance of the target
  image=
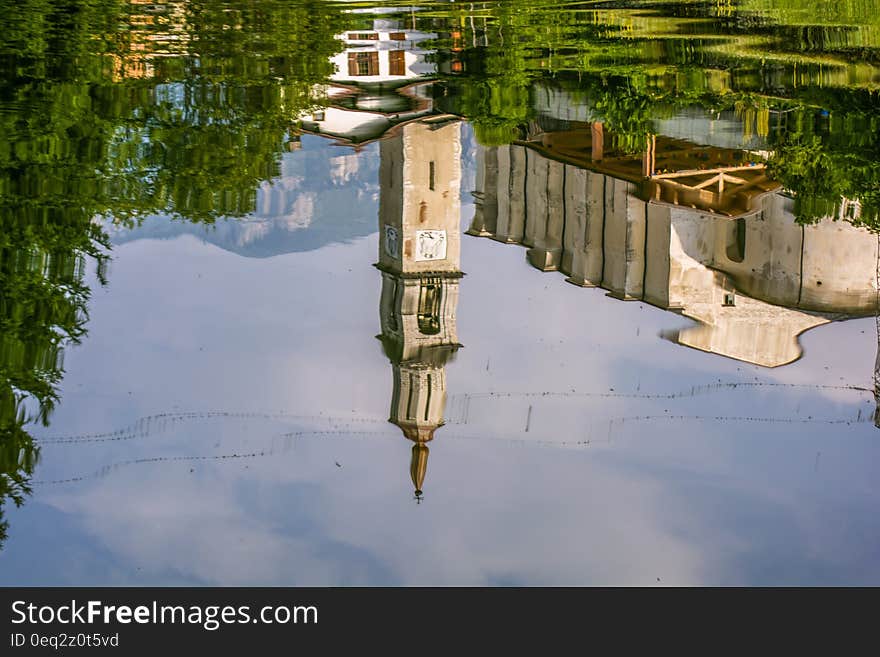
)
(430, 298)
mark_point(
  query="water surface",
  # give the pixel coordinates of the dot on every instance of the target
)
(512, 293)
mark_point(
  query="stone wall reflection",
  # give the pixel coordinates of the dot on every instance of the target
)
(747, 272)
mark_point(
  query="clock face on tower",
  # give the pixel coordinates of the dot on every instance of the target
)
(430, 245)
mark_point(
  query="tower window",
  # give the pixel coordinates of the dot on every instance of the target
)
(393, 326)
(410, 411)
(430, 297)
(431, 175)
(428, 400)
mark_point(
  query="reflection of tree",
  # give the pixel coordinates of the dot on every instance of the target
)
(88, 130)
(53, 140)
(215, 123)
(18, 456)
(827, 157)
(629, 70)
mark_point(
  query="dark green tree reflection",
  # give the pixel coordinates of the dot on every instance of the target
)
(801, 77)
(830, 159)
(52, 144)
(208, 127)
(112, 109)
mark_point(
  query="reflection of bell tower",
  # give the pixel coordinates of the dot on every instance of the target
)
(419, 241)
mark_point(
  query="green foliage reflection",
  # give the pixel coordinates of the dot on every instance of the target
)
(124, 109)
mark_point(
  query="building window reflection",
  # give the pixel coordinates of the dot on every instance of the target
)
(430, 297)
(396, 62)
(363, 63)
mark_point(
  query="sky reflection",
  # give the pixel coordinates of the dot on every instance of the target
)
(304, 285)
(583, 496)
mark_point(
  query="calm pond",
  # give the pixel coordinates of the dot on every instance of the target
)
(483, 293)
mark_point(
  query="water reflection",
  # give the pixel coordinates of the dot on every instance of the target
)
(715, 160)
(106, 111)
(419, 257)
(751, 276)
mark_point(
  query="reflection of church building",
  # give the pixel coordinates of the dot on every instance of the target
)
(419, 240)
(691, 229)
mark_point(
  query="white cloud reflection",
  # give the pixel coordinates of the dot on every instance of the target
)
(186, 326)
